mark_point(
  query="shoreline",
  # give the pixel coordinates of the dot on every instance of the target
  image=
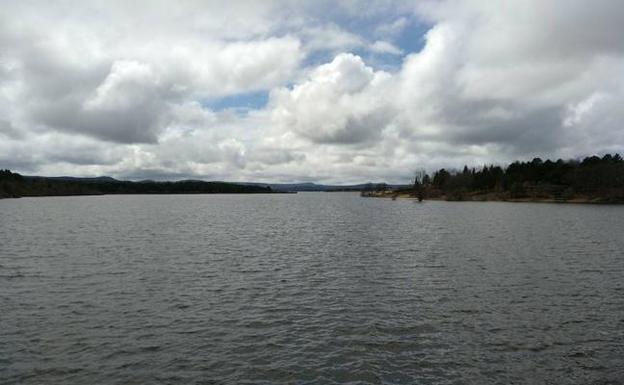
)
(494, 198)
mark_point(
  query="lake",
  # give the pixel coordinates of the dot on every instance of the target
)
(309, 288)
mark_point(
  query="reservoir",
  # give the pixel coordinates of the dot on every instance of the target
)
(309, 288)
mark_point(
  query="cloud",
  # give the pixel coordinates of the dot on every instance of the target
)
(7, 129)
(122, 90)
(127, 107)
(381, 46)
(393, 28)
(213, 70)
(335, 104)
(330, 37)
(493, 83)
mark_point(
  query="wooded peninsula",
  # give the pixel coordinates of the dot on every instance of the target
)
(591, 180)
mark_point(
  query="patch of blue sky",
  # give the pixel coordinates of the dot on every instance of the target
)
(318, 57)
(410, 39)
(241, 103)
(379, 61)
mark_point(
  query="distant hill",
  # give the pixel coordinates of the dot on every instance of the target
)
(13, 185)
(303, 187)
(97, 179)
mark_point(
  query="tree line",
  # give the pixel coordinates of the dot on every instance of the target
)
(13, 185)
(599, 178)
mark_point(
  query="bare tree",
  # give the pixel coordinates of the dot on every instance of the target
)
(419, 189)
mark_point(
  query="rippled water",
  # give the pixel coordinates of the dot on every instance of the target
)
(309, 288)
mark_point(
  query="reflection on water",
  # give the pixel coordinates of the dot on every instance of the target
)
(309, 288)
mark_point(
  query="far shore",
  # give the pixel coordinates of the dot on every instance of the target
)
(142, 193)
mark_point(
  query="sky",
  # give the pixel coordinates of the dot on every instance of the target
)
(298, 91)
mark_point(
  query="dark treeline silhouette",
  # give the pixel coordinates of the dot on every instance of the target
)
(594, 178)
(13, 185)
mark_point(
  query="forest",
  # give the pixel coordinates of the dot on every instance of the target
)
(13, 185)
(599, 179)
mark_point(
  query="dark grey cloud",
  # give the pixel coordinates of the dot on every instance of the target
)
(23, 164)
(356, 129)
(139, 122)
(7, 130)
(276, 156)
(533, 131)
(85, 156)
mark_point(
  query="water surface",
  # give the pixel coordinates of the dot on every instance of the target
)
(309, 288)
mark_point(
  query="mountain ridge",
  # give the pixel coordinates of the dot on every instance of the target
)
(286, 187)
